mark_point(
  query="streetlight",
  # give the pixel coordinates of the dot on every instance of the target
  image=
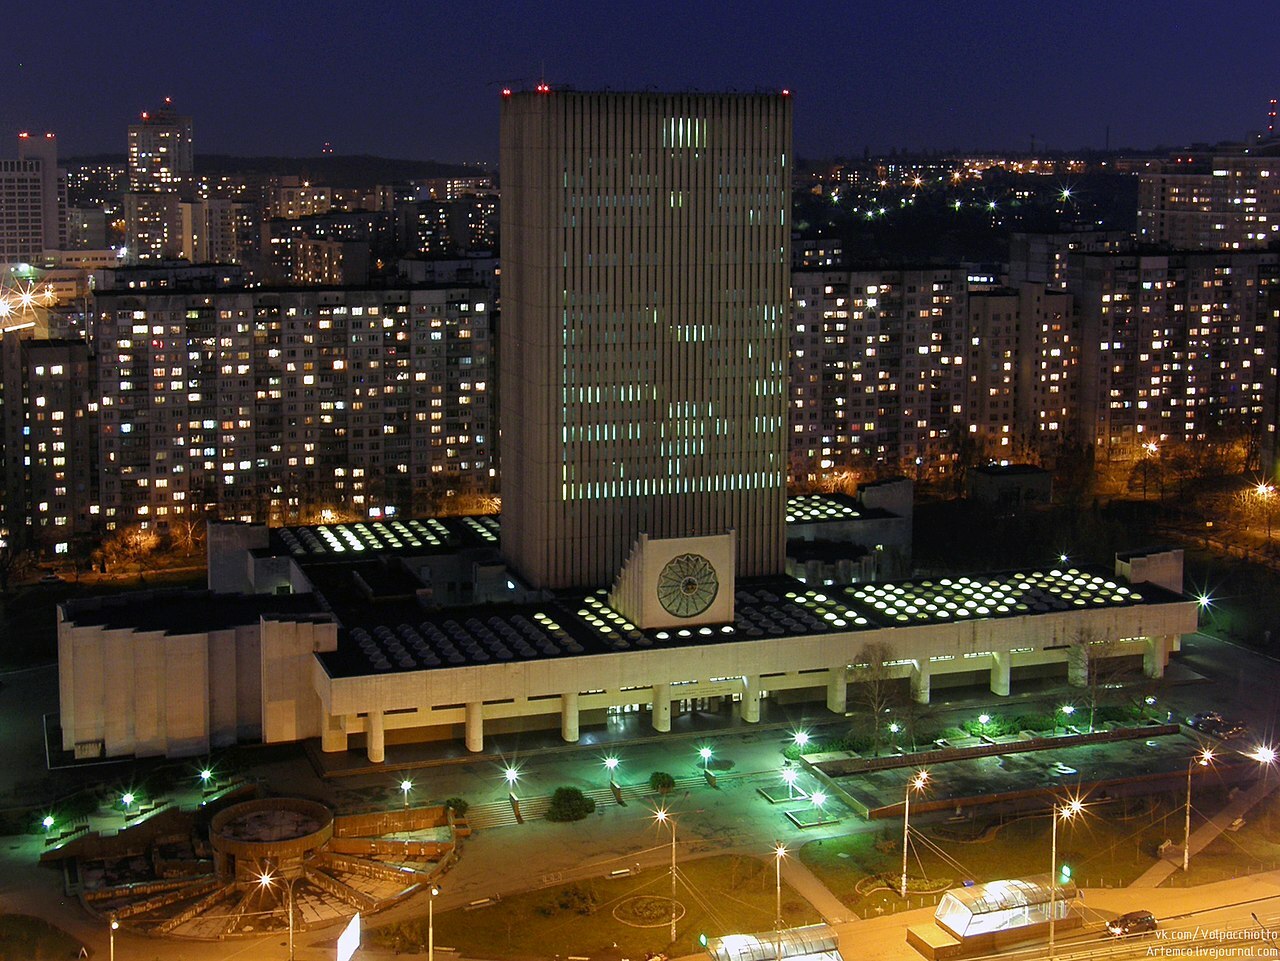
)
(266, 881)
(705, 754)
(206, 776)
(47, 822)
(127, 800)
(1263, 754)
(611, 765)
(1203, 759)
(431, 923)
(405, 786)
(662, 817)
(917, 783)
(818, 798)
(1065, 812)
(112, 935)
(801, 739)
(511, 775)
(789, 775)
(1067, 710)
(779, 852)
(1264, 492)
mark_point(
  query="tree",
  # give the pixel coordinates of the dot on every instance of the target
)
(189, 533)
(877, 688)
(129, 545)
(662, 782)
(1093, 660)
(569, 804)
(14, 562)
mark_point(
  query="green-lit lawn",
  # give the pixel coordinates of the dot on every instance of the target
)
(24, 938)
(720, 895)
(1104, 848)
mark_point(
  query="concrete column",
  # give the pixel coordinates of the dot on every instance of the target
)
(334, 736)
(837, 690)
(475, 727)
(662, 708)
(920, 681)
(1156, 656)
(374, 737)
(1000, 668)
(1077, 666)
(569, 716)
(751, 699)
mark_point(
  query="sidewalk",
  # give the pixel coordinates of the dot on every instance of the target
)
(1164, 869)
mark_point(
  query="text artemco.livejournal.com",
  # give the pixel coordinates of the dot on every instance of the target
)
(1215, 943)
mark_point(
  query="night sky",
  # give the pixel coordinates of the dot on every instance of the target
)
(421, 80)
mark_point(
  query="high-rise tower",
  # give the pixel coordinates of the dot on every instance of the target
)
(160, 177)
(645, 249)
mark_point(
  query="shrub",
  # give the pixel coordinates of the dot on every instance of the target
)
(569, 804)
(662, 782)
(457, 805)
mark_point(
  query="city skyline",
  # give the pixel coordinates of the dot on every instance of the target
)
(998, 75)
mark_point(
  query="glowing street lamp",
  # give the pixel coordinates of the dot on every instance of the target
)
(511, 775)
(611, 766)
(818, 798)
(917, 783)
(984, 719)
(1203, 759)
(801, 739)
(266, 881)
(431, 923)
(47, 822)
(405, 786)
(789, 775)
(1063, 812)
(779, 852)
(1263, 754)
(112, 935)
(662, 817)
(127, 800)
(705, 754)
(206, 776)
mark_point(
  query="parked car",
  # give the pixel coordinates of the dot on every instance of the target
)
(1203, 720)
(1135, 922)
(51, 579)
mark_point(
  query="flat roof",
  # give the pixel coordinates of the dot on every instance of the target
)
(367, 539)
(179, 612)
(404, 636)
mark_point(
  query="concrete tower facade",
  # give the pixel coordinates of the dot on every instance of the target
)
(645, 248)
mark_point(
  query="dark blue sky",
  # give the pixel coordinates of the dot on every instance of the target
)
(422, 80)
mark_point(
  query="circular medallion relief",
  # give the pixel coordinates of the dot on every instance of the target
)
(687, 585)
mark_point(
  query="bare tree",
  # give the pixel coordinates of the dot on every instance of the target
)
(189, 532)
(14, 562)
(877, 687)
(1095, 659)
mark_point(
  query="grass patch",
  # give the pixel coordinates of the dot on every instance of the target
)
(719, 895)
(1110, 846)
(24, 938)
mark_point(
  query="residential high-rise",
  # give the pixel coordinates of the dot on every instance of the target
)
(1223, 200)
(877, 369)
(1177, 345)
(160, 177)
(645, 269)
(33, 201)
(288, 405)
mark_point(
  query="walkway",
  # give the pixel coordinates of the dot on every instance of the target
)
(806, 884)
(1165, 868)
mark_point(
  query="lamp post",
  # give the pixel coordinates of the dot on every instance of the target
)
(1203, 759)
(1067, 711)
(1065, 812)
(112, 935)
(917, 783)
(206, 775)
(405, 786)
(266, 881)
(611, 765)
(801, 739)
(779, 852)
(1264, 491)
(789, 775)
(431, 923)
(662, 817)
(705, 754)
